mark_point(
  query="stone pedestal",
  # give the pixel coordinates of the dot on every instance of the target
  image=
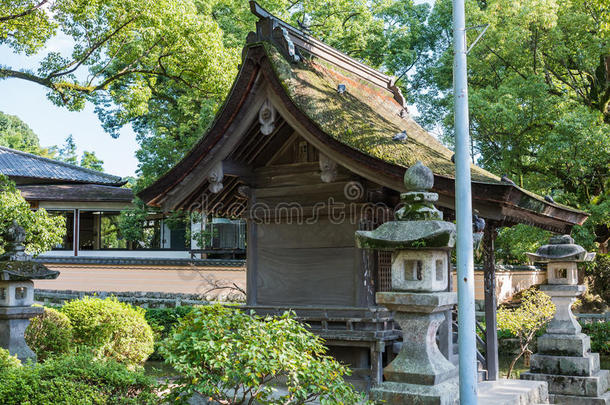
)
(13, 322)
(564, 359)
(420, 374)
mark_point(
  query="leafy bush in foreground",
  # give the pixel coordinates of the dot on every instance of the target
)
(163, 321)
(49, 334)
(112, 329)
(7, 362)
(75, 379)
(233, 358)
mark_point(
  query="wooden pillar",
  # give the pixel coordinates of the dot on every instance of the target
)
(76, 231)
(491, 327)
(252, 255)
(376, 350)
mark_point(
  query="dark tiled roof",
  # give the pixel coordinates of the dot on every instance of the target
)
(75, 192)
(16, 164)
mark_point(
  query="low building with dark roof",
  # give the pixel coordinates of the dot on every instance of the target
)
(91, 202)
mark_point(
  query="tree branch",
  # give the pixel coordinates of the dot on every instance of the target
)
(25, 13)
(77, 63)
(506, 62)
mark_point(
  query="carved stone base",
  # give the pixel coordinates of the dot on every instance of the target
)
(595, 385)
(445, 393)
(13, 322)
(420, 374)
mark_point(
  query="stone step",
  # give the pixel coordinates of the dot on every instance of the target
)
(574, 400)
(512, 392)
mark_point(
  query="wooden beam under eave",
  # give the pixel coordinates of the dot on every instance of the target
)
(231, 137)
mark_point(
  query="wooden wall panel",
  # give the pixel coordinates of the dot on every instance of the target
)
(321, 234)
(311, 276)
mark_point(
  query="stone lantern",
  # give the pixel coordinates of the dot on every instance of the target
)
(420, 241)
(17, 293)
(564, 359)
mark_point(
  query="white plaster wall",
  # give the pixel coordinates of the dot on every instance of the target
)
(142, 254)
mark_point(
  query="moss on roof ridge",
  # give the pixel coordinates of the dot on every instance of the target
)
(362, 118)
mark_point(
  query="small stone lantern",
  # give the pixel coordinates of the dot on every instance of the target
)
(17, 293)
(564, 359)
(420, 241)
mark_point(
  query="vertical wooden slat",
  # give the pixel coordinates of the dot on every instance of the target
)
(491, 327)
(376, 364)
(384, 272)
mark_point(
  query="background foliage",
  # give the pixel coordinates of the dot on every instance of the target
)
(533, 313)
(539, 88)
(43, 232)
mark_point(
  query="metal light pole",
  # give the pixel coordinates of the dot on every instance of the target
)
(463, 205)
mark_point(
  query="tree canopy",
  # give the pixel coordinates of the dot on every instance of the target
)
(165, 66)
(539, 92)
(16, 134)
(68, 153)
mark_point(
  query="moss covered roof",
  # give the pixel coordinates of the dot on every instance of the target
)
(365, 117)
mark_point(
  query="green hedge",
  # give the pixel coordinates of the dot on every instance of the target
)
(75, 379)
(7, 362)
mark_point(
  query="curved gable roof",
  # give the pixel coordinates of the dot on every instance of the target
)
(357, 126)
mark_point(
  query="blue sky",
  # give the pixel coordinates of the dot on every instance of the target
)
(53, 124)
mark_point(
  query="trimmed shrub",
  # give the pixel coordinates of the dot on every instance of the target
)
(49, 334)
(8, 362)
(110, 328)
(220, 352)
(76, 379)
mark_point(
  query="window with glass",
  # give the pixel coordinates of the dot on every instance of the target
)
(68, 241)
(99, 230)
(152, 235)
